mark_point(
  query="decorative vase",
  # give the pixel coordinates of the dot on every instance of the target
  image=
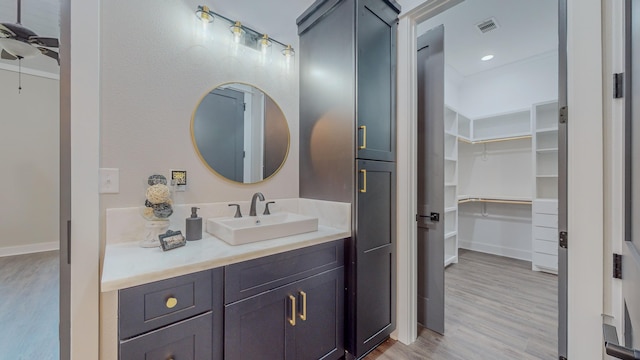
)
(152, 229)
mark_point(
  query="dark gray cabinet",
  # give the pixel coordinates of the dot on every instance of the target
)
(178, 318)
(371, 297)
(348, 147)
(299, 319)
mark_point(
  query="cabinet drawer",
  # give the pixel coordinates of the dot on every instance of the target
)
(546, 261)
(545, 220)
(545, 233)
(545, 207)
(188, 339)
(545, 247)
(150, 306)
(255, 276)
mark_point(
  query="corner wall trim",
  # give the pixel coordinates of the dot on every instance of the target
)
(29, 249)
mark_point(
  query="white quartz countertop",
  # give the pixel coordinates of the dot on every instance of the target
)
(127, 264)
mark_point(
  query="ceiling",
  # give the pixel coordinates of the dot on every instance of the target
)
(526, 28)
(42, 17)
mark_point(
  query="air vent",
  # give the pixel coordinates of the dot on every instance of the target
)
(487, 25)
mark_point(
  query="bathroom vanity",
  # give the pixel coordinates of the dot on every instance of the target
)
(274, 299)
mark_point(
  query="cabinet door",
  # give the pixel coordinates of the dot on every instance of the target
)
(376, 63)
(372, 288)
(260, 327)
(189, 340)
(319, 330)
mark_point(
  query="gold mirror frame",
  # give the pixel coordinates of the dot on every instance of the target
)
(209, 166)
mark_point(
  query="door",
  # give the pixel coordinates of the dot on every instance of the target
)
(261, 326)
(319, 329)
(224, 130)
(65, 181)
(431, 179)
(376, 44)
(631, 248)
(375, 256)
(562, 181)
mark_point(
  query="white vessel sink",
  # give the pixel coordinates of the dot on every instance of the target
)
(237, 231)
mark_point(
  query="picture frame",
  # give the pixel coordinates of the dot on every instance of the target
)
(171, 240)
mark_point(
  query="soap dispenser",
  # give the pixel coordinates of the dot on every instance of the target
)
(194, 225)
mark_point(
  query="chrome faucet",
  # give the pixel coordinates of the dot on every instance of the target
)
(252, 211)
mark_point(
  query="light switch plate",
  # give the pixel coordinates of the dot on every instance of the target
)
(109, 181)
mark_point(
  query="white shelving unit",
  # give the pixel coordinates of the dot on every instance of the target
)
(545, 202)
(494, 187)
(450, 186)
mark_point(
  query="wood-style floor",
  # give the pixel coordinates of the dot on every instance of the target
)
(29, 312)
(496, 308)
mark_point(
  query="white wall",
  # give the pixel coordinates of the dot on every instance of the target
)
(29, 154)
(155, 69)
(511, 87)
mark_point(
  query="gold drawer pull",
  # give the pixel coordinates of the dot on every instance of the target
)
(171, 302)
(303, 315)
(292, 320)
(364, 181)
(364, 137)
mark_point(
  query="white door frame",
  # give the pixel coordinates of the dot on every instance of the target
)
(585, 174)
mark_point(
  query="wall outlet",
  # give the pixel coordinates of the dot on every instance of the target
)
(179, 180)
(109, 181)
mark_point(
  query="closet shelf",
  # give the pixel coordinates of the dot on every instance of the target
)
(549, 129)
(547, 150)
(450, 260)
(494, 200)
(450, 234)
(450, 209)
(451, 133)
(485, 141)
(547, 176)
(450, 158)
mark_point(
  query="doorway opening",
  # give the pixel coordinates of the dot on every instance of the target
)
(499, 146)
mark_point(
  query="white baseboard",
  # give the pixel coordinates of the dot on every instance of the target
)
(495, 250)
(28, 249)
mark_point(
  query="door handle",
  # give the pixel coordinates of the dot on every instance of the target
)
(364, 137)
(434, 216)
(614, 349)
(292, 320)
(364, 181)
(303, 314)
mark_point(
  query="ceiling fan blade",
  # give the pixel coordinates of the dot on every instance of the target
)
(5, 55)
(44, 41)
(50, 53)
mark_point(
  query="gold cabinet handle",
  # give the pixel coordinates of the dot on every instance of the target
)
(171, 302)
(364, 137)
(303, 315)
(292, 320)
(364, 181)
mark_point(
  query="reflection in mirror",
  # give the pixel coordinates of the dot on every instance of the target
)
(240, 133)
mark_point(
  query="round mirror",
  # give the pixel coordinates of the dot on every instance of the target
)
(240, 133)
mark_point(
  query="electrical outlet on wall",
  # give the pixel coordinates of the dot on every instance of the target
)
(179, 180)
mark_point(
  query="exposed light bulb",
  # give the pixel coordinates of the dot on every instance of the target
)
(487, 57)
(288, 52)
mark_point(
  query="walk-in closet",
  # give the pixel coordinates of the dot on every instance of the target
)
(500, 154)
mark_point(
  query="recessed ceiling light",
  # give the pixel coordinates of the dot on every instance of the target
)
(487, 57)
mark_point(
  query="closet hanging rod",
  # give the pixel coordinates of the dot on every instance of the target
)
(494, 201)
(494, 140)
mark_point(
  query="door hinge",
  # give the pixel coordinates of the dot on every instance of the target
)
(244, 106)
(617, 266)
(564, 114)
(563, 239)
(618, 85)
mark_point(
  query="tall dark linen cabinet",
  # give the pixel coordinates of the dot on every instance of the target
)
(348, 147)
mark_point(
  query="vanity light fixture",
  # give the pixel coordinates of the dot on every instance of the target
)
(203, 13)
(288, 52)
(243, 34)
(237, 31)
(265, 43)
